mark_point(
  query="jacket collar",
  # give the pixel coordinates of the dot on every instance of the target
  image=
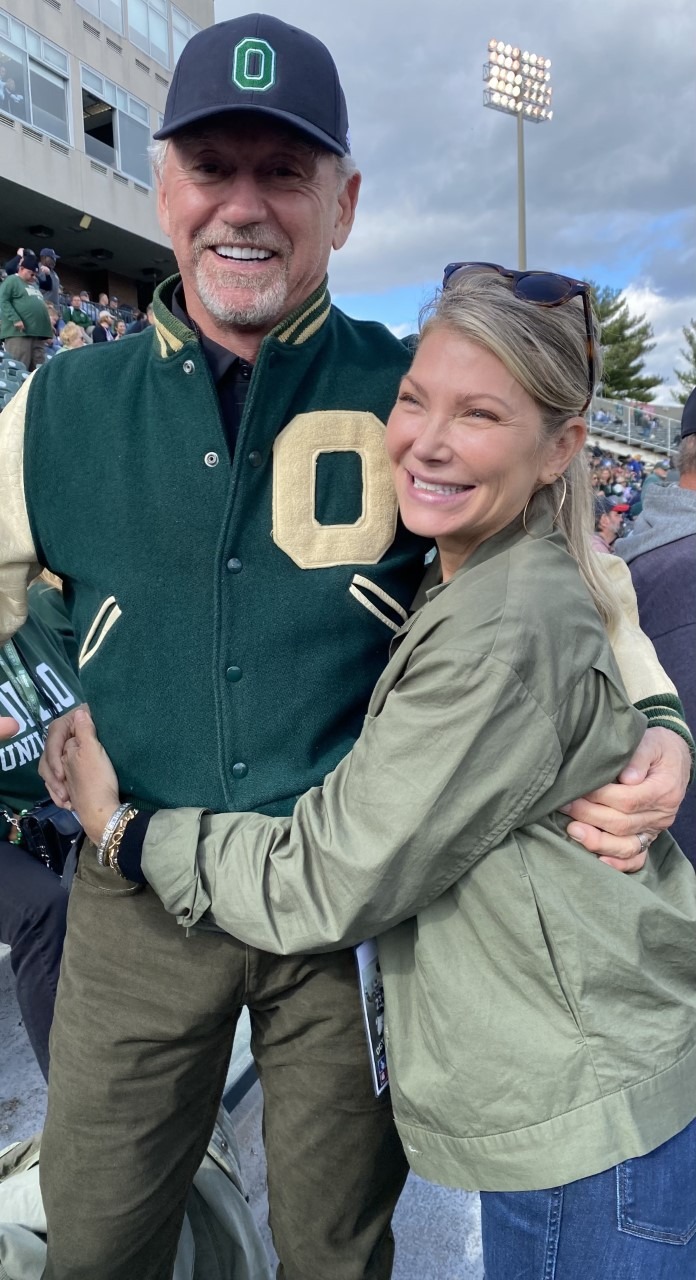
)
(172, 334)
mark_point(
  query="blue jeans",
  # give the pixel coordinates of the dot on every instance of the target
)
(636, 1221)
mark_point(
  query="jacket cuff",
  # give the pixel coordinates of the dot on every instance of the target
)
(665, 711)
(130, 853)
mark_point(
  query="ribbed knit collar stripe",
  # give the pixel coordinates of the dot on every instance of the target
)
(295, 329)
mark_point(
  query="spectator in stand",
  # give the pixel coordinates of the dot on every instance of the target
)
(102, 330)
(12, 267)
(661, 554)
(57, 326)
(658, 476)
(75, 313)
(113, 305)
(47, 270)
(89, 307)
(73, 336)
(607, 524)
(120, 331)
(103, 302)
(605, 480)
(25, 324)
(140, 326)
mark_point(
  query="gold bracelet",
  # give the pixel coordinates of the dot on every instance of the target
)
(114, 843)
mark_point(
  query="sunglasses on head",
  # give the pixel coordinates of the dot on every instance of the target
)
(545, 289)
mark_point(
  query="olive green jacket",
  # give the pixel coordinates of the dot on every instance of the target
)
(540, 1007)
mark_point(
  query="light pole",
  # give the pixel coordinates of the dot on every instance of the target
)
(518, 83)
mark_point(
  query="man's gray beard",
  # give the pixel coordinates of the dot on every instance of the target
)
(264, 310)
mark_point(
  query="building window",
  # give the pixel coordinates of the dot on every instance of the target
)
(110, 12)
(148, 27)
(34, 79)
(182, 30)
(117, 127)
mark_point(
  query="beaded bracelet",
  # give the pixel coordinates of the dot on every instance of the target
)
(108, 832)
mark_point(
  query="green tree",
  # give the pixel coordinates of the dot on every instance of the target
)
(626, 341)
(687, 377)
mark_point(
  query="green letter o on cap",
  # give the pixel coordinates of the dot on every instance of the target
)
(253, 64)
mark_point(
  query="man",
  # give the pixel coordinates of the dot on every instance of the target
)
(607, 519)
(661, 554)
(47, 269)
(88, 307)
(25, 325)
(143, 324)
(75, 313)
(251, 408)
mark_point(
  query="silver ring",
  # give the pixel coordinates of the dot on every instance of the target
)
(644, 841)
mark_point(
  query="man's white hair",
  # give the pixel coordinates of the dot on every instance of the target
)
(157, 151)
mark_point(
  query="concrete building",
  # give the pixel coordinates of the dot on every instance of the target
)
(83, 85)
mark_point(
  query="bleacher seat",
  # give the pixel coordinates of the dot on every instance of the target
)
(12, 374)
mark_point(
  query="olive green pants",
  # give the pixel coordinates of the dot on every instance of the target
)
(143, 1029)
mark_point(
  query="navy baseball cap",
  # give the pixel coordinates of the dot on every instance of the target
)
(258, 63)
(49, 253)
(688, 422)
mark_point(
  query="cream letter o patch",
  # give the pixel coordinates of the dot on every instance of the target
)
(295, 528)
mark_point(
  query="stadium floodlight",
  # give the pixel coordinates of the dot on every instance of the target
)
(519, 84)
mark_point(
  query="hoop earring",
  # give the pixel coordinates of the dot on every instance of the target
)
(560, 505)
(565, 494)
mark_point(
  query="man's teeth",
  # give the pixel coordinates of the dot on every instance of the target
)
(439, 488)
(234, 251)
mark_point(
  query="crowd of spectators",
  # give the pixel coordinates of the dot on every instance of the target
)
(35, 312)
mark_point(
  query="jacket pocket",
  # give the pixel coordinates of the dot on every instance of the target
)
(656, 1194)
(378, 602)
(107, 614)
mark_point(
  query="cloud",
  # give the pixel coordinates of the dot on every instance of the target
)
(667, 317)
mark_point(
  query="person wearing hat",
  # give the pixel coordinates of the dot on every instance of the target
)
(607, 527)
(661, 555)
(47, 269)
(237, 504)
(25, 324)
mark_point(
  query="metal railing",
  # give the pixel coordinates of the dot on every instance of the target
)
(633, 426)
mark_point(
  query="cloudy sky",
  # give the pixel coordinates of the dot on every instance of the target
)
(611, 181)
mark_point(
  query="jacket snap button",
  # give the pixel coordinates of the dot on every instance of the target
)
(224, 1145)
(188, 366)
(211, 459)
(255, 458)
(240, 770)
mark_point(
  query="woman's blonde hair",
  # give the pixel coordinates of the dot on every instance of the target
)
(545, 350)
(69, 332)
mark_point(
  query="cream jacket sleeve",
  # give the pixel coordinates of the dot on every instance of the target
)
(18, 561)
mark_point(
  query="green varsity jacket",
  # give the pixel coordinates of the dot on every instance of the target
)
(232, 615)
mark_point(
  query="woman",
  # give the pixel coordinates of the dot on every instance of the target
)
(102, 331)
(33, 902)
(120, 330)
(72, 337)
(540, 1022)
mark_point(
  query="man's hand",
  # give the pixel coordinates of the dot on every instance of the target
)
(90, 777)
(8, 727)
(19, 324)
(51, 763)
(644, 802)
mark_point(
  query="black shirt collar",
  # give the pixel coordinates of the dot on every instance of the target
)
(220, 360)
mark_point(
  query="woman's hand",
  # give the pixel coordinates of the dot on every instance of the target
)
(644, 801)
(8, 727)
(89, 775)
